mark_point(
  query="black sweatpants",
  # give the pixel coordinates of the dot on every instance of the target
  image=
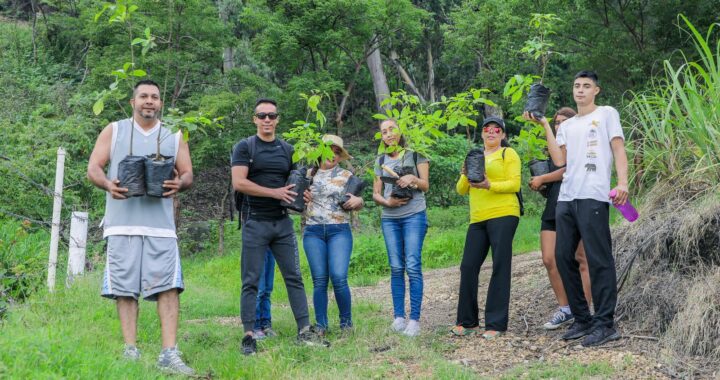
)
(279, 236)
(587, 219)
(497, 233)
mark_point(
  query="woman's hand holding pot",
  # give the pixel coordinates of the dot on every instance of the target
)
(395, 202)
(485, 184)
(536, 182)
(407, 180)
(354, 203)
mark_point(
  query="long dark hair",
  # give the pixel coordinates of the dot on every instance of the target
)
(564, 111)
(401, 140)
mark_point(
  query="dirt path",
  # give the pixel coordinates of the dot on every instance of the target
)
(525, 343)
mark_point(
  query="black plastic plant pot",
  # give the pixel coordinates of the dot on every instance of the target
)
(475, 165)
(355, 186)
(298, 178)
(158, 170)
(131, 174)
(537, 100)
(539, 167)
(402, 192)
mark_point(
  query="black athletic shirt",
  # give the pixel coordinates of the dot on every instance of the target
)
(271, 167)
(553, 193)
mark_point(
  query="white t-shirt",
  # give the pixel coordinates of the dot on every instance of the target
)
(589, 154)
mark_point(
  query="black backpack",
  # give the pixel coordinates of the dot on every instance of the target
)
(519, 193)
(239, 199)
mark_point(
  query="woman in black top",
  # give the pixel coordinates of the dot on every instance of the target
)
(551, 183)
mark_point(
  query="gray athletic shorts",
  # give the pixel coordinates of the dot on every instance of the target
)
(144, 265)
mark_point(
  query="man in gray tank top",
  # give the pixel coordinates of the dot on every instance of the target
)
(142, 252)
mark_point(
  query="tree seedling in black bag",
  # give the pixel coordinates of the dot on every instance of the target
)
(158, 168)
(475, 165)
(298, 178)
(540, 49)
(355, 186)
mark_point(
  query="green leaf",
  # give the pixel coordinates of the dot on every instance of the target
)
(139, 73)
(137, 41)
(98, 106)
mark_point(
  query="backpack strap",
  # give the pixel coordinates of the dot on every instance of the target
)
(519, 193)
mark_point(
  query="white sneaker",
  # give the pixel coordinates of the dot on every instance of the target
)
(412, 328)
(399, 324)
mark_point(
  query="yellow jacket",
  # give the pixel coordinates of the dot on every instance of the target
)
(500, 200)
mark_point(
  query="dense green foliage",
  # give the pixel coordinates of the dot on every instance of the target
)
(57, 58)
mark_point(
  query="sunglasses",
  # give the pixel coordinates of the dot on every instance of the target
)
(263, 115)
(494, 129)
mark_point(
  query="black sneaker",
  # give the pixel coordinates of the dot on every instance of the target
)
(578, 330)
(249, 345)
(311, 336)
(600, 336)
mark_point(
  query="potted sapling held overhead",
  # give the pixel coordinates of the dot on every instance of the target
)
(539, 48)
(310, 151)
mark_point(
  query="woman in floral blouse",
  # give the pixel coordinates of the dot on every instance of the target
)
(327, 238)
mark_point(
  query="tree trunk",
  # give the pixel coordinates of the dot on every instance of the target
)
(431, 73)
(346, 95)
(404, 75)
(228, 55)
(380, 86)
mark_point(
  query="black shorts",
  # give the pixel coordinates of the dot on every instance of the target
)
(547, 225)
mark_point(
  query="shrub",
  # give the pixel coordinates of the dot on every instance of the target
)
(22, 262)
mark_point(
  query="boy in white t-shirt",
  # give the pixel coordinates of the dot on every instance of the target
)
(588, 142)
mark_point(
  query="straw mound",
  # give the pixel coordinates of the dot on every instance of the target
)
(669, 270)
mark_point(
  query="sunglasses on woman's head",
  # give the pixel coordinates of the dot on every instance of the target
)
(271, 115)
(494, 129)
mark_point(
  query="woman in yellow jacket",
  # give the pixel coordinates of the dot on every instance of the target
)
(494, 217)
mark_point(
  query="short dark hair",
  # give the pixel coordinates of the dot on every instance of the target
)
(590, 75)
(266, 100)
(145, 82)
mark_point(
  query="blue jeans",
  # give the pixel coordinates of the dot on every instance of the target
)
(404, 240)
(328, 248)
(263, 317)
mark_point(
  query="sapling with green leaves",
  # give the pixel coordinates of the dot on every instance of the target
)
(143, 175)
(310, 149)
(540, 49)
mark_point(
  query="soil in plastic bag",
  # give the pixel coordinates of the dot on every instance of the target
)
(297, 177)
(475, 165)
(131, 174)
(157, 172)
(538, 168)
(537, 100)
(402, 192)
(355, 186)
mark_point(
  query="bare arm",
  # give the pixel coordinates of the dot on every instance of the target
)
(242, 184)
(97, 162)
(380, 200)
(621, 168)
(536, 182)
(557, 153)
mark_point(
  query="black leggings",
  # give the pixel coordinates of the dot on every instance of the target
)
(497, 233)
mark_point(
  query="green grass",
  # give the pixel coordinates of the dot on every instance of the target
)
(75, 334)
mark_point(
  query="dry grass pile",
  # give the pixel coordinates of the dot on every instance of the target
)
(669, 270)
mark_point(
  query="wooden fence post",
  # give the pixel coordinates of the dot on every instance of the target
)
(57, 208)
(78, 240)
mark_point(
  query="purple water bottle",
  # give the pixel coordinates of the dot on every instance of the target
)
(627, 210)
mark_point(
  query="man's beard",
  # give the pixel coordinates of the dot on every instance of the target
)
(148, 115)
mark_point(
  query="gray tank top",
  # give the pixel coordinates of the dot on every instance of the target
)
(147, 216)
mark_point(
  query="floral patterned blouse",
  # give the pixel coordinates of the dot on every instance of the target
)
(327, 189)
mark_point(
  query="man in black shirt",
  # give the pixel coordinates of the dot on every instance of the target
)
(266, 224)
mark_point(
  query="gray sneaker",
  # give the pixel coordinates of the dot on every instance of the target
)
(169, 361)
(131, 353)
(310, 336)
(559, 318)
